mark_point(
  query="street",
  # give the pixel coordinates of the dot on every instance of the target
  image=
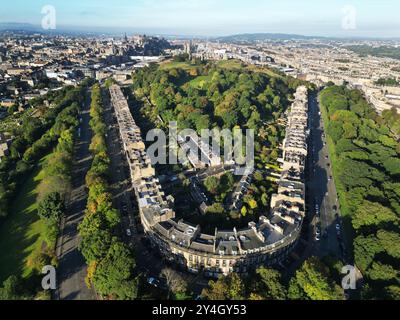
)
(124, 197)
(72, 266)
(323, 201)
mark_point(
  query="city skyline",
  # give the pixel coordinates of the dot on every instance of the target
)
(213, 151)
(207, 18)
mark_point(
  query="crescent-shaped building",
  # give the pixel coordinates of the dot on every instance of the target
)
(267, 241)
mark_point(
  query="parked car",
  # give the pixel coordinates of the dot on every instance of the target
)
(129, 232)
(317, 233)
(157, 283)
(154, 282)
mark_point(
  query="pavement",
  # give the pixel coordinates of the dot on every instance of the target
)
(72, 266)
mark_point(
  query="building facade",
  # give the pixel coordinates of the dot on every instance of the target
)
(264, 242)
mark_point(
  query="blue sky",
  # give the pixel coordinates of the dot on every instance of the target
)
(375, 18)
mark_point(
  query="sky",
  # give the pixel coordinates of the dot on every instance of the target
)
(366, 18)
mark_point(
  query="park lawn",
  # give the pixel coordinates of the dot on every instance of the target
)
(232, 64)
(22, 233)
(200, 82)
(238, 65)
(176, 65)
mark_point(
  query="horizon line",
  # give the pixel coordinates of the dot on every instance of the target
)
(102, 30)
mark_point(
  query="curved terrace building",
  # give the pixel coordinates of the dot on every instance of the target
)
(264, 242)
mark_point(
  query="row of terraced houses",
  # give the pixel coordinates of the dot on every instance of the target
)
(264, 242)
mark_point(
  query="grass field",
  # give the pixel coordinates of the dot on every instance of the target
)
(238, 65)
(176, 65)
(21, 234)
(231, 64)
(200, 82)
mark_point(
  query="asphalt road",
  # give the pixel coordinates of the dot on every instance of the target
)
(121, 187)
(72, 266)
(322, 190)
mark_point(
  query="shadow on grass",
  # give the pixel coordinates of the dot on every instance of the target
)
(21, 233)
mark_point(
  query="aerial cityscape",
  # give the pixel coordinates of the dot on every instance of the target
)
(174, 150)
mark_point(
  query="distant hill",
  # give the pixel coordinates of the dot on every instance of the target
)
(383, 51)
(13, 26)
(252, 37)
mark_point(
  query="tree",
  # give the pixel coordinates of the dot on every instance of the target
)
(175, 282)
(51, 207)
(313, 281)
(216, 208)
(254, 120)
(258, 176)
(227, 182)
(113, 275)
(335, 130)
(392, 166)
(390, 242)
(95, 246)
(372, 214)
(216, 290)
(269, 284)
(365, 250)
(393, 292)
(345, 145)
(382, 272)
(212, 184)
(11, 289)
(227, 288)
(32, 129)
(253, 204)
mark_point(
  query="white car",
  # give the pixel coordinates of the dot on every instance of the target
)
(129, 232)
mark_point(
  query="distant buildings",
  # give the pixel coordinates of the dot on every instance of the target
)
(33, 64)
(317, 61)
